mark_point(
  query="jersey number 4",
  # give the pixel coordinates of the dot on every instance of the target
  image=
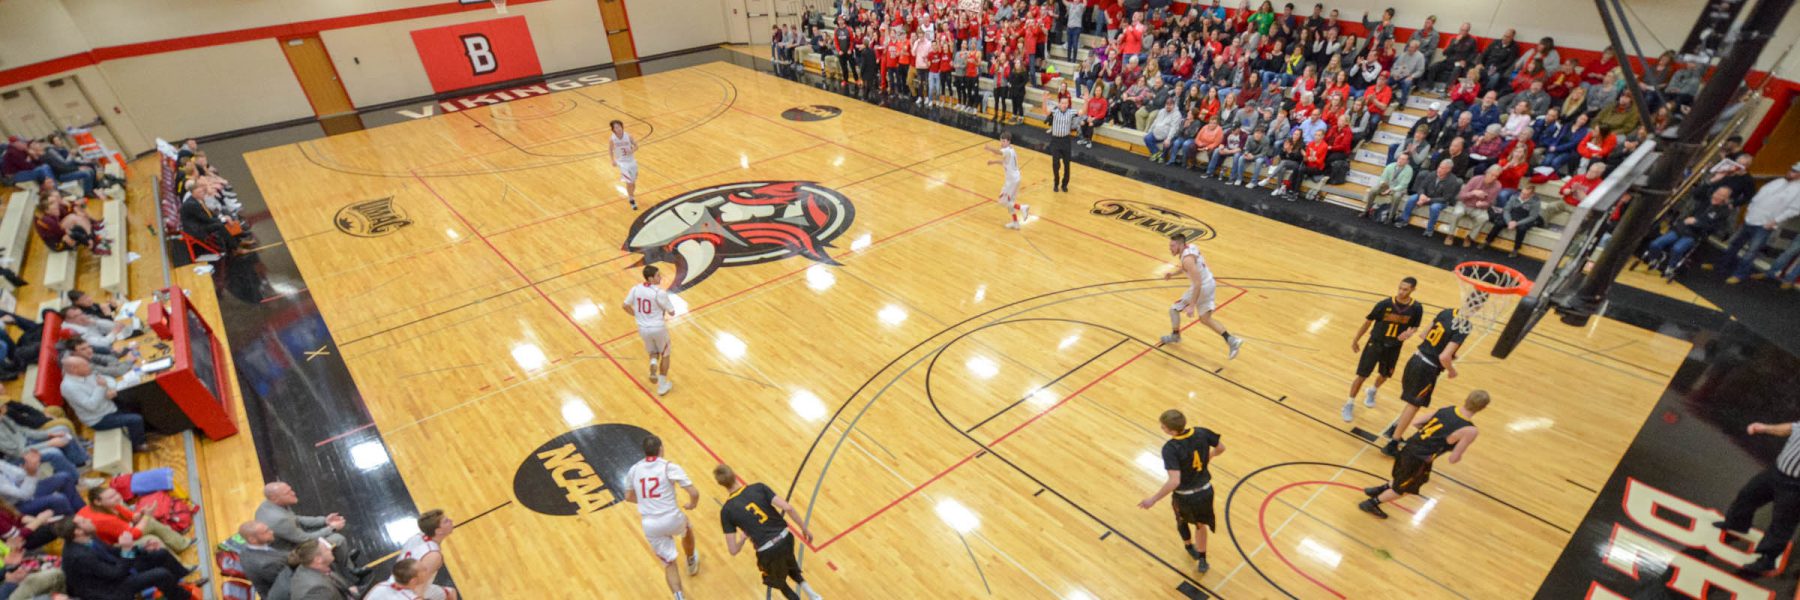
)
(646, 306)
(650, 487)
(1431, 427)
(1199, 463)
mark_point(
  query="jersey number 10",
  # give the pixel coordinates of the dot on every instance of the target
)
(645, 306)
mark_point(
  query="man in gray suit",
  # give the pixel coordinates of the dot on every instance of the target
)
(290, 529)
(260, 561)
(313, 579)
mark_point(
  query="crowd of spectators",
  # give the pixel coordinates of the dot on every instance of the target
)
(1258, 97)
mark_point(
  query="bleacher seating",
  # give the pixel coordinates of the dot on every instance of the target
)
(15, 229)
(1369, 160)
(112, 266)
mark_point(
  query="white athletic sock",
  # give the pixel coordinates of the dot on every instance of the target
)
(807, 587)
(1175, 321)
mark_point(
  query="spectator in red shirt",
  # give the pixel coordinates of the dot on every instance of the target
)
(1096, 113)
(1576, 190)
(1598, 145)
(114, 520)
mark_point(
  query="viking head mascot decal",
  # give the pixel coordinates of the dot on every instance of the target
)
(739, 224)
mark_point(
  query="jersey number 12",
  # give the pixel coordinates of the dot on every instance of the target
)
(650, 487)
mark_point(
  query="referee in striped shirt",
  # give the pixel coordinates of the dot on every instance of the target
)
(1779, 485)
(1064, 119)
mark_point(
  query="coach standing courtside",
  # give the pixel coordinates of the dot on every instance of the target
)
(1063, 121)
(1780, 485)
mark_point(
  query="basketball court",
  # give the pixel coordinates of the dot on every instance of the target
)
(960, 410)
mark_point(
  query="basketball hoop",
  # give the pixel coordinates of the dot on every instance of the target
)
(499, 6)
(1488, 290)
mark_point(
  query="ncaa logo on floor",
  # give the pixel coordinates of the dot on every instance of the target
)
(740, 224)
(580, 472)
(1164, 222)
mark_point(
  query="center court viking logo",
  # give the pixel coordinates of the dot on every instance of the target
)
(1164, 221)
(579, 472)
(371, 218)
(739, 224)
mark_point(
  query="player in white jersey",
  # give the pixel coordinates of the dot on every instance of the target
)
(652, 483)
(649, 303)
(1009, 195)
(1198, 300)
(624, 156)
(434, 528)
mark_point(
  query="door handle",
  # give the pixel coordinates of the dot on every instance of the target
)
(616, 31)
(756, 14)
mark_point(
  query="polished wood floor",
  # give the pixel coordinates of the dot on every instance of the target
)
(876, 393)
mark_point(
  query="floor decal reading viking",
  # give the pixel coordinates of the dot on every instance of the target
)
(739, 224)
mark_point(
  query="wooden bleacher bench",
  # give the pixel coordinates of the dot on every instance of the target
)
(112, 266)
(15, 230)
(59, 270)
(112, 452)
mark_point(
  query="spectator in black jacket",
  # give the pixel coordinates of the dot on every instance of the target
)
(1497, 61)
(1459, 55)
(97, 571)
(1667, 250)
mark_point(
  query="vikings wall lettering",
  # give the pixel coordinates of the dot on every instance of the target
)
(507, 95)
(739, 224)
(371, 218)
(813, 112)
(1162, 221)
(579, 472)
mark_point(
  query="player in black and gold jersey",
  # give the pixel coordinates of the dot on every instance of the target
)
(1436, 354)
(1187, 455)
(1393, 320)
(1447, 430)
(762, 516)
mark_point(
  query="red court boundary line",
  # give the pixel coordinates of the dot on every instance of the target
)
(343, 435)
(578, 329)
(1003, 437)
(1262, 524)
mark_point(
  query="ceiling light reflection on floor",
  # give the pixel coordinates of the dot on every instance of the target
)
(529, 356)
(730, 346)
(959, 517)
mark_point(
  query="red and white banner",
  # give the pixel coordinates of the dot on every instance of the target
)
(475, 54)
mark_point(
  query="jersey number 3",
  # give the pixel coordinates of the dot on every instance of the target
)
(761, 517)
(650, 487)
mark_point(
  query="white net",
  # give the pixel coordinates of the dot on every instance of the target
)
(1488, 292)
(499, 6)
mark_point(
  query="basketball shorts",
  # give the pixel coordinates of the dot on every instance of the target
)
(628, 170)
(1010, 192)
(1378, 358)
(1411, 471)
(434, 592)
(1199, 298)
(1195, 508)
(777, 564)
(661, 531)
(1418, 382)
(656, 341)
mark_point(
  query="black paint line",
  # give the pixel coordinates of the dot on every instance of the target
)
(1046, 386)
(977, 563)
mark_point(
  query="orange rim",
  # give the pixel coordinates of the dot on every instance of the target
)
(1522, 287)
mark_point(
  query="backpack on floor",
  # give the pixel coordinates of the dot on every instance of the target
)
(1339, 170)
(177, 514)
